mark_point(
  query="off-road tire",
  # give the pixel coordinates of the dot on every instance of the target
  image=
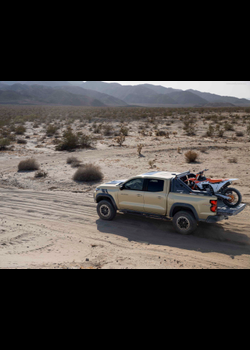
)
(228, 190)
(106, 211)
(184, 223)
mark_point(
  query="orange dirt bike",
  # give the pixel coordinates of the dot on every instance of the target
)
(218, 187)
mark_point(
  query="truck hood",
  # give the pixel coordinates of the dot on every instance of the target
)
(114, 183)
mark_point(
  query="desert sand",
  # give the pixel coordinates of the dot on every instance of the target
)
(52, 223)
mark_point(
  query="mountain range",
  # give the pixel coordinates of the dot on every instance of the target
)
(100, 94)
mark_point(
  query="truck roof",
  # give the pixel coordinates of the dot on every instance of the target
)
(160, 174)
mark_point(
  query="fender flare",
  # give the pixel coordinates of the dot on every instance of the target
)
(103, 196)
(184, 205)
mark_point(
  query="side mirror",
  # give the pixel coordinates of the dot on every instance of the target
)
(121, 187)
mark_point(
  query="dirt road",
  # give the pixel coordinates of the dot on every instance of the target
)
(62, 230)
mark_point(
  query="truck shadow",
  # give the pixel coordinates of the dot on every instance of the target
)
(206, 239)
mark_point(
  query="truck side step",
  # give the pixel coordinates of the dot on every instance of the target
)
(153, 216)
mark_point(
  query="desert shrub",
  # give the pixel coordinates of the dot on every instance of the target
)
(86, 141)
(233, 160)
(189, 126)
(239, 133)
(191, 156)
(107, 130)
(28, 164)
(139, 149)
(151, 163)
(88, 173)
(228, 127)
(160, 133)
(124, 131)
(71, 160)
(4, 143)
(120, 139)
(220, 132)
(97, 129)
(75, 162)
(51, 130)
(248, 129)
(21, 141)
(210, 131)
(69, 141)
(20, 130)
(40, 173)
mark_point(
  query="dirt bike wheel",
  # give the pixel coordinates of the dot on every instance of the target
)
(235, 195)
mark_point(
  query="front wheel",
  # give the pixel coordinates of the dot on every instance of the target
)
(106, 211)
(235, 197)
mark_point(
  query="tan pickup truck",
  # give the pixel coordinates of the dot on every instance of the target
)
(162, 195)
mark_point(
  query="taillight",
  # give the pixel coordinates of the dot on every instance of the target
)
(214, 205)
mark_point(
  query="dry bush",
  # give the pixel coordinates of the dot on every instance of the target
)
(71, 160)
(151, 163)
(21, 141)
(51, 130)
(20, 130)
(40, 173)
(191, 156)
(28, 164)
(139, 149)
(210, 131)
(4, 143)
(69, 141)
(239, 133)
(107, 130)
(233, 160)
(86, 141)
(120, 139)
(248, 129)
(160, 133)
(228, 127)
(88, 173)
(124, 131)
(189, 126)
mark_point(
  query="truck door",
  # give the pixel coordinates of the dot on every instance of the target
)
(155, 196)
(131, 197)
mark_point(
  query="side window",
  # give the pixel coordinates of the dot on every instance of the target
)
(134, 185)
(155, 185)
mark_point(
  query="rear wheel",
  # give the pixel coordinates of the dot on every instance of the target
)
(184, 223)
(106, 211)
(235, 197)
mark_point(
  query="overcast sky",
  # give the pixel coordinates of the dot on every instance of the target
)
(240, 89)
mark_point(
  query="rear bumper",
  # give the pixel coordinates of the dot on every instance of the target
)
(224, 212)
(213, 219)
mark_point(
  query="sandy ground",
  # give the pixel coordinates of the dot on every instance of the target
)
(52, 222)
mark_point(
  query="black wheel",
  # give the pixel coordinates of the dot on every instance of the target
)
(106, 211)
(184, 223)
(235, 196)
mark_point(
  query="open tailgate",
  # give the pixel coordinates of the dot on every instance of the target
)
(223, 210)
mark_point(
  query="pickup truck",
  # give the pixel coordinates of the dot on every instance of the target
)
(162, 195)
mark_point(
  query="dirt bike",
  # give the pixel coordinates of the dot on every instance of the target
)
(218, 187)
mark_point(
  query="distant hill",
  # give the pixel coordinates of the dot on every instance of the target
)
(45, 83)
(159, 95)
(100, 94)
(39, 94)
(108, 100)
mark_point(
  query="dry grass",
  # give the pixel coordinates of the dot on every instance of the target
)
(88, 173)
(191, 156)
(28, 164)
(233, 160)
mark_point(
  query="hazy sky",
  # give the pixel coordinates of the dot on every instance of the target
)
(240, 89)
